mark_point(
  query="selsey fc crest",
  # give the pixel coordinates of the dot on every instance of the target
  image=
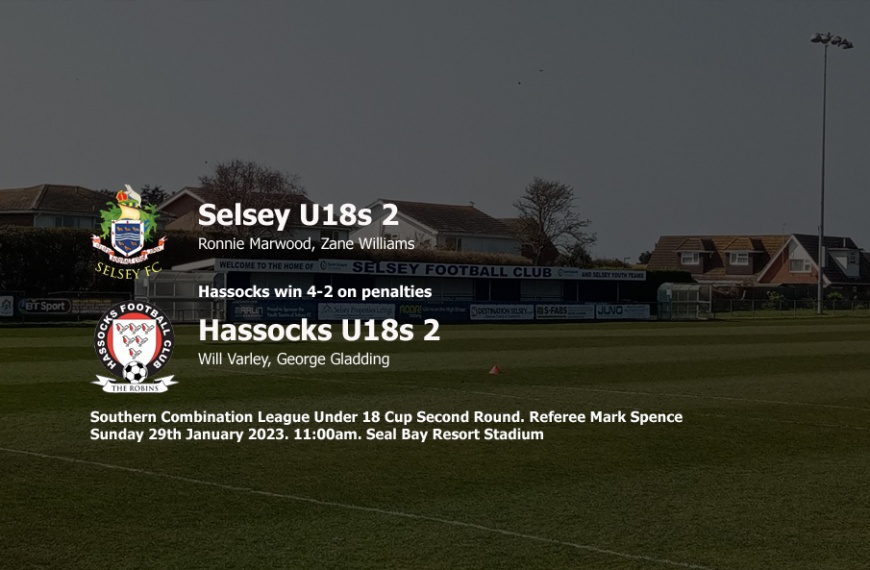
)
(134, 341)
(130, 227)
(128, 236)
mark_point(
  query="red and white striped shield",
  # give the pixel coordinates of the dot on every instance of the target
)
(134, 339)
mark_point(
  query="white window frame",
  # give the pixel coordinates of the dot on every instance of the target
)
(853, 258)
(694, 258)
(453, 243)
(806, 268)
(738, 258)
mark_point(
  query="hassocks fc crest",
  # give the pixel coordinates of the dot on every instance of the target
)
(129, 228)
(134, 341)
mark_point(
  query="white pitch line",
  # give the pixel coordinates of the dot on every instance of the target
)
(346, 506)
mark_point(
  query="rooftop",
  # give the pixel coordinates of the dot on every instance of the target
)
(452, 219)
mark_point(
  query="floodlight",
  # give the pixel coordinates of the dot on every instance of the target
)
(824, 39)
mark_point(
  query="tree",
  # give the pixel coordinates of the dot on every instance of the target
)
(254, 185)
(644, 257)
(150, 194)
(153, 194)
(609, 263)
(547, 218)
(576, 256)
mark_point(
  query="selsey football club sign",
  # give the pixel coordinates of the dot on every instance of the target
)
(424, 269)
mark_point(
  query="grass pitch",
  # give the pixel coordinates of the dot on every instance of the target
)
(768, 470)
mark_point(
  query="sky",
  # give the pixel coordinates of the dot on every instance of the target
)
(666, 117)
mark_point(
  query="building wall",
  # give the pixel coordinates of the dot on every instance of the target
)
(16, 220)
(407, 228)
(64, 221)
(483, 244)
(841, 258)
(694, 268)
(316, 234)
(181, 206)
(780, 272)
(734, 269)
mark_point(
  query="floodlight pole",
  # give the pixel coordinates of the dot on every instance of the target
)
(821, 255)
(825, 40)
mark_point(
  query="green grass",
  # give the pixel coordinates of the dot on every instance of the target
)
(769, 469)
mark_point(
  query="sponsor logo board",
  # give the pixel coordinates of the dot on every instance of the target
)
(564, 312)
(502, 312)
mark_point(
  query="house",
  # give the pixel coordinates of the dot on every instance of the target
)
(797, 263)
(52, 206)
(443, 226)
(180, 212)
(186, 200)
(724, 260)
(764, 260)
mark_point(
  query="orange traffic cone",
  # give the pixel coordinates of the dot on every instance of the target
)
(495, 370)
